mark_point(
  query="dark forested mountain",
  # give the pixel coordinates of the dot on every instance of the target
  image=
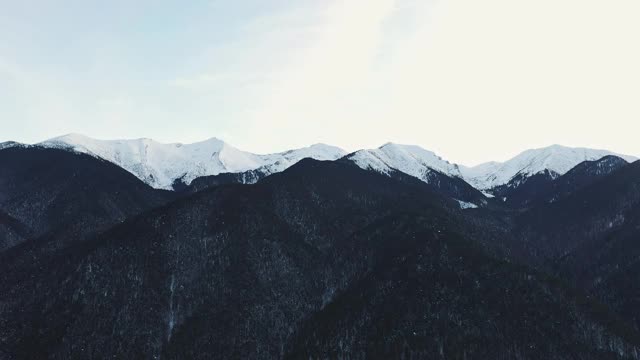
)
(221, 250)
(454, 187)
(582, 175)
(447, 185)
(601, 243)
(525, 191)
(584, 227)
(204, 182)
(428, 293)
(326, 259)
(12, 231)
(69, 194)
(586, 215)
(522, 190)
(614, 273)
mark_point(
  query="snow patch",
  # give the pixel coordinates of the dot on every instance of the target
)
(488, 195)
(466, 205)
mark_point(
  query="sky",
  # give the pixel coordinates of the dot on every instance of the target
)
(471, 80)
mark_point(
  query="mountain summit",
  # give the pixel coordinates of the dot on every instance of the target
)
(163, 165)
(556, 159)
(160, 165)
(409, 159)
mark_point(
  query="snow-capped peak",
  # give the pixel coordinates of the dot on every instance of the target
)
(9, 144)
(159, 165)
(409, 159)
(557, 159)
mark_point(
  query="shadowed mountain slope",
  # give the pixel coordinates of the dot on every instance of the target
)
(69, 195)
(240, 271)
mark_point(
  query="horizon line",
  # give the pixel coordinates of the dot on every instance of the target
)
(347, 152)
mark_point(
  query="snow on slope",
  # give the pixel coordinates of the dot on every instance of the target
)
(419, 162)
(557, 159)
(281, 161)
(159, 165)
(9, 144)
(466, 205)
(409, 159)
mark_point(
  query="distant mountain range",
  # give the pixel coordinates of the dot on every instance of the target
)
(162, 165)
(132, 249)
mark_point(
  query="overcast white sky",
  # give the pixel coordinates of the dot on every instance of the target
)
(472, 80)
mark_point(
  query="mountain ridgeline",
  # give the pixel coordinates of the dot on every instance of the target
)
(390, 253)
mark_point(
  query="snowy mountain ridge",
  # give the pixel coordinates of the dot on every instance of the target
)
(418, 162)
(159, 165)
(409, 159)
(557, 159)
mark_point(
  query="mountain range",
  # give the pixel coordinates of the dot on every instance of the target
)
(135, 249)
(163, 165)
(160, 165)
